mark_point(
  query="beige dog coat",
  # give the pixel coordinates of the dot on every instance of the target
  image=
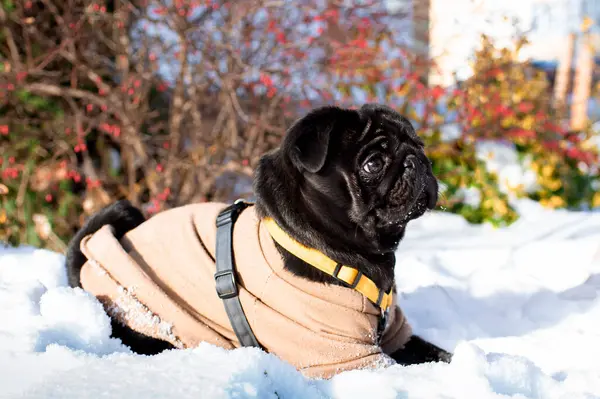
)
(158, 280)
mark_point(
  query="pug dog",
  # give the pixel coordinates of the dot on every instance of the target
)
(343, 182)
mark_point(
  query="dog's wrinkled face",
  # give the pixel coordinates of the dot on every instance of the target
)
(366, 168)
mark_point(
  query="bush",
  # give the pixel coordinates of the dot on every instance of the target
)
(505, 103)
(508, 100)
(89, 113)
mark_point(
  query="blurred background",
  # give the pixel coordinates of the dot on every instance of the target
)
(167, 102)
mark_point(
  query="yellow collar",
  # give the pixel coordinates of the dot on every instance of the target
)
(349, 275)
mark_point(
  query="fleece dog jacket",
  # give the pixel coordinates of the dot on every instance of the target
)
(159, 280)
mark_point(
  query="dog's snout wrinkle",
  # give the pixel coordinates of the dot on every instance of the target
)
(410, 162)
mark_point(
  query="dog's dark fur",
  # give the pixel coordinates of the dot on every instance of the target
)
(319, 188)
(121, 215)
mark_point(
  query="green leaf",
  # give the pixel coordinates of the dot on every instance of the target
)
(65, 206)
(8, 5)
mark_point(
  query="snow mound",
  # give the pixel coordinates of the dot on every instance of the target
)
(502, 159)
(518, 306)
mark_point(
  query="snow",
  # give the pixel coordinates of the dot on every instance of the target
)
(518, 306)
(595, 140)
(470, 196)
(450, 132)
(502, 159)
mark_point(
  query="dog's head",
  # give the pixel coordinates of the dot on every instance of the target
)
(362, 173)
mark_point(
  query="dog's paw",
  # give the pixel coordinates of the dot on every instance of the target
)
(417, 351)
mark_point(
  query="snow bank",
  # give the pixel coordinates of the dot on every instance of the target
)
(519, 307)
(502, 159)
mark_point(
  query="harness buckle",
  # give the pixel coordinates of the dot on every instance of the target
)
(226, 284)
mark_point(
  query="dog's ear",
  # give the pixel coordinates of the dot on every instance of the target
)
(307, 140)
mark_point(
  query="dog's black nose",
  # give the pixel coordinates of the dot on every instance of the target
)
(410, 162)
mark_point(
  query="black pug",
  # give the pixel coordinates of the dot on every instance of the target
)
(345, 182)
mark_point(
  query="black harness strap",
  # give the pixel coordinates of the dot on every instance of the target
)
(226, 280)
(225, 277)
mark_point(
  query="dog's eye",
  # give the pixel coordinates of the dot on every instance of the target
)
(374, 165)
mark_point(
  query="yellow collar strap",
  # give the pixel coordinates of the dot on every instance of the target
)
(349, 275)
